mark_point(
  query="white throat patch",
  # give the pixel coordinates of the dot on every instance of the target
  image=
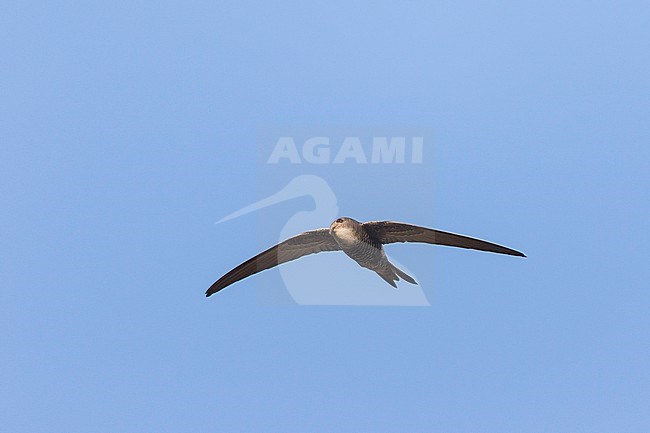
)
(346, 234)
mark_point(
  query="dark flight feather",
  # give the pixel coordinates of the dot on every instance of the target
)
(389, 232)
(310, 242)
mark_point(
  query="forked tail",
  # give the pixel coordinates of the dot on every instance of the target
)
(403, 275)
(391, 274)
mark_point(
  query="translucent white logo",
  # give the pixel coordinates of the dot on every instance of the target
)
(329, 278)
(351, 149)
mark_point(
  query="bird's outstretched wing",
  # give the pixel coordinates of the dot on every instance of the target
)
(389, 232)
(310, 242)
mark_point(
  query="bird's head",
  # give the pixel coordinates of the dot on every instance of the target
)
(342, 223)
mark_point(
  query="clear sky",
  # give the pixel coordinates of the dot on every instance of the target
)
(127, 129)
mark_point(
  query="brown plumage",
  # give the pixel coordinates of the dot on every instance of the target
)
(363, 242)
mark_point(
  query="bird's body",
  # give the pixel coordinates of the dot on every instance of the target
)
(365, 248)
(362, 242)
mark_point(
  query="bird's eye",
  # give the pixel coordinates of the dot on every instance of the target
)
(340, 220)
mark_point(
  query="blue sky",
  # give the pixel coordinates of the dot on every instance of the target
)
(129, 128)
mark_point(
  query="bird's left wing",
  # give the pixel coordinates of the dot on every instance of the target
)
(389, 232)
(310, 242)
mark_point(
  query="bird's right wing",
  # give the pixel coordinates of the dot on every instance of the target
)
(310, 242)
(389, 232)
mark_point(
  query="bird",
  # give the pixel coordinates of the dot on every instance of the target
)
(362, 242)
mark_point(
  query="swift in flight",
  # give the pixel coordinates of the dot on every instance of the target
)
(362, 242)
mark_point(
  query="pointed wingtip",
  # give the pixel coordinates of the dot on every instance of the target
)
(510, 252)
(210, 292)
